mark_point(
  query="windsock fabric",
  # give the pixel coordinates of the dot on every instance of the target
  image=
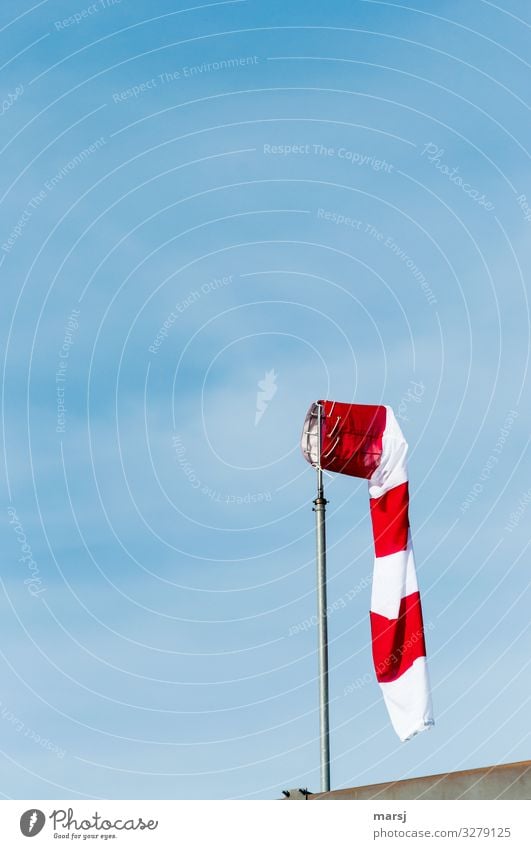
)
(365, 441)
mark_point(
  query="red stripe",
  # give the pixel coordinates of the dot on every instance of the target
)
(352, 438)
(397, 643)
(390, 521)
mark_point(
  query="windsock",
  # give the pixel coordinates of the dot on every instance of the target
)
(365, 441)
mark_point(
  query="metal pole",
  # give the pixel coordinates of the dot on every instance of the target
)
(322, 623)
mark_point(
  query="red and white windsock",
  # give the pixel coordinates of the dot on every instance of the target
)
(366, 441)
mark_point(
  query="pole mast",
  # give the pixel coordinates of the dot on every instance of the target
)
(322, 622)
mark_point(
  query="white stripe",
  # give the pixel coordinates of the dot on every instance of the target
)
(394, 577)
(392, 470)
(408, 701)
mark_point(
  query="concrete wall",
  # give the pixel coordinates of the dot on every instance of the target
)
(508, 781)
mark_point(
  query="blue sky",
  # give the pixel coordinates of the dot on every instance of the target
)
(334, 193)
